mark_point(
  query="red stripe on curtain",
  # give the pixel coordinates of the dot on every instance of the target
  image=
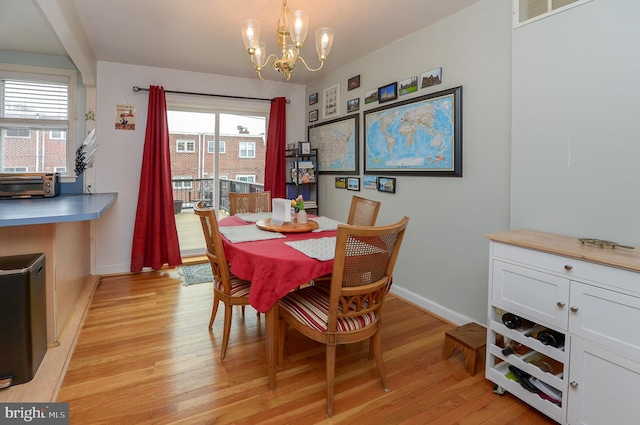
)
(274, 168)
(155, 238)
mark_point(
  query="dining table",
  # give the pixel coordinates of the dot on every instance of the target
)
(274, 266)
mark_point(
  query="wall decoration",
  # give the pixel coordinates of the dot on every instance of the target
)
(353, 83)
(388, 93)
(313, 99)
(353, 105)
(370, 182)
(313, 115)
(125, 117)
(341, 182)
(331, 102)
(430, 78)
(353, 183)
(337, 143)
(420, 136)
(409, 85)
(387, 184)
(371, 96)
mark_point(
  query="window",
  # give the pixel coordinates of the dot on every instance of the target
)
(185, 145)
(58, 135)
(526, 11)
(14, 169)
(16, 132)
(211, 146)
(246, 178)
(186, 184)
(35, 106)
(247, 150)
(60, 170)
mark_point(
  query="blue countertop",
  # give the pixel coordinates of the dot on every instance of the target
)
(59, 209)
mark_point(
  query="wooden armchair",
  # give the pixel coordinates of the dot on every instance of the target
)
(227, 287)
(249, 202)
(363, 212)
(349, 309)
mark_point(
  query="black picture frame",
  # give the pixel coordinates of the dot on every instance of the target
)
(353, 183)
(388, 93)
(386, 184)
(324, 137)
(353, 105)
(304, 148)
(313, 115)
(353, 83)
(443, 159)
(341, 182)
(313, 98)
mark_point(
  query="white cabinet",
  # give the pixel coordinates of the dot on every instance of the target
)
(589, 298)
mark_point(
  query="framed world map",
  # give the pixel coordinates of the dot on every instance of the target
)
(419, 136)
(337, 144)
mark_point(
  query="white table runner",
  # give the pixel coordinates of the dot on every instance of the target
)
(322, 249)
(248, 233)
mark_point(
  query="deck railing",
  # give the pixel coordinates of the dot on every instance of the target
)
(187, 192)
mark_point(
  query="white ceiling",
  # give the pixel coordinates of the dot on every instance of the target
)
(204, 35)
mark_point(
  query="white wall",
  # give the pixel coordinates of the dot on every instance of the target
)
(443, 263)
(119, 155)
(576, 146)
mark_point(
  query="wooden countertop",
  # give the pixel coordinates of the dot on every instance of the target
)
(569, 246)
(59, 209)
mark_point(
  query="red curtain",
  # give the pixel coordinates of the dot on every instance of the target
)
(274, 169)
(155, 238)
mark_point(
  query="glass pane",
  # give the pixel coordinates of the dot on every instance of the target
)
(531, 8)
(556, 4)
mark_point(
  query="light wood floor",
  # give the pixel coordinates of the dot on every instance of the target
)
(145, 356)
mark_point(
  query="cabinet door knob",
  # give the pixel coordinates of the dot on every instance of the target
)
(574, 309)
(568, 267)
(560, 304)
(573, 384)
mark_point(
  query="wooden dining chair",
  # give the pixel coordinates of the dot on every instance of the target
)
(249, 202)
(349, 309)
(227, 288)
(363, 212)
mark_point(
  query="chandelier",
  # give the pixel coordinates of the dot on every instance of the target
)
(292, 31)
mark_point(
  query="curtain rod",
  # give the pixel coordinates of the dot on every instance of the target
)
(137, 89)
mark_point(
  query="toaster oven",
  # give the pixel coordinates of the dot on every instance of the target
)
(29, 185)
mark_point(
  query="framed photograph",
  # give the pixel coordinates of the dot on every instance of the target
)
(353, 105)
(313, 115)
(353, 183)
(331, 102)
(370, 182)
(387, 184)
(305, 148)
(409, 85)
(341, 182)
(430, 78)
(353, 83)
(313, 99)
(371, 96)
(388, 93)
(337, 144)
(420, 136)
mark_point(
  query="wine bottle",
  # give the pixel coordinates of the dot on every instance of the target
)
(515, 347)
(512, 321)
(551, 337)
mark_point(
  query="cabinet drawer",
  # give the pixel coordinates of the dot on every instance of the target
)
(609, 318)
(538, 296)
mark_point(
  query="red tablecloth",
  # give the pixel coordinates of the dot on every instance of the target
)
(273, 268)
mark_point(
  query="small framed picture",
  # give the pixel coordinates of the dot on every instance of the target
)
(388, 93)
(331, 99)
(409, 85)
(313, 99)
(353, 83)
(369, 182)
(313, 115)
(430, 78)
(371, 96)
(305, 148)
(387, 184)
(353, 183)
(341, 182)
(353, 105)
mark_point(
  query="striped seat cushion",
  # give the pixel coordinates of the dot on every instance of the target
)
(311, 306)
(239, 287)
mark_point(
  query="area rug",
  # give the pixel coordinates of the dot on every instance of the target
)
(197, 273)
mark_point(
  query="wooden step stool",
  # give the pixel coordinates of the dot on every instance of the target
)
(470, 339)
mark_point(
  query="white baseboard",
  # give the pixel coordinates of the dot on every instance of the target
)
(429, 305)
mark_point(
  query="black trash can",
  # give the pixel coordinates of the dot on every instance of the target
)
(23, 318)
